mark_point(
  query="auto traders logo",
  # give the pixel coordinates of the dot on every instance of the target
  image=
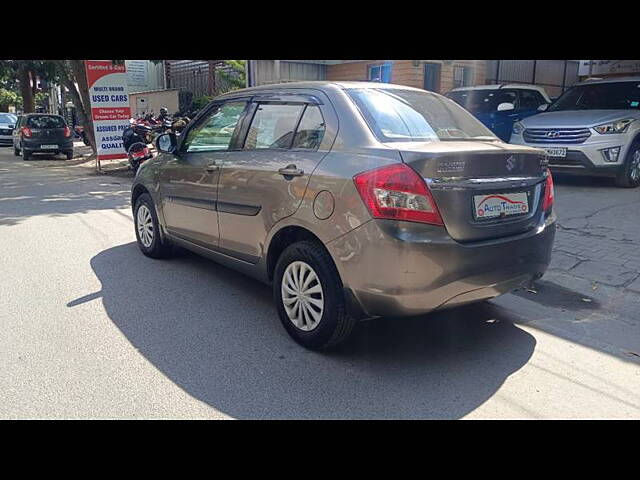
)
(501, 205)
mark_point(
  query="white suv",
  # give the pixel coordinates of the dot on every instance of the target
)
(592, 129)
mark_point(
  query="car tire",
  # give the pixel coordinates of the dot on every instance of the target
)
(147, 229)
(320, 327)
(25, 155)
(69, 155)
(629, 176)
(16, 151)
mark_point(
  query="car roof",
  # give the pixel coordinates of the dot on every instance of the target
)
(499, 86)
(323, 85)
(608, 80)
(524, 86)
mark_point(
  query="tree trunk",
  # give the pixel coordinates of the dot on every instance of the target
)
(25, 90)
(79, 72)
(80, 111)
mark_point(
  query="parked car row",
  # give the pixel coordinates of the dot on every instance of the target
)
(591, 129)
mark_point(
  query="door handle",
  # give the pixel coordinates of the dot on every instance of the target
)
(291, 171)
(212, 167)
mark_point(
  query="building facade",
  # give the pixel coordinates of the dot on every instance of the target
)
(554, 75)
(435, 75)
(608, 68)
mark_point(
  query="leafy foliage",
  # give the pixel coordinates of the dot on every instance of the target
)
(200, 102)
(9, 98)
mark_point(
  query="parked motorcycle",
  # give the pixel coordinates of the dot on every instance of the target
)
(135, 140)
(79, 132)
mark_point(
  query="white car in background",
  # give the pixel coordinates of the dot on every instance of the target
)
(592, 129)
(7, 124)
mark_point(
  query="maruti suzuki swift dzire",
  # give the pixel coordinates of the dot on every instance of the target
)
(354, 200)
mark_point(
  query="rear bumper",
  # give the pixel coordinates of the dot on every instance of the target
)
(34, 145)
(403, 268)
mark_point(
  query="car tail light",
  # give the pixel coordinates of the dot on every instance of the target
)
(397, 192)
(26, 131)
(547, 203)
(67, 132)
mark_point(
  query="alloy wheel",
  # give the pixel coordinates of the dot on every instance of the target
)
(145, 225)
(302, 295)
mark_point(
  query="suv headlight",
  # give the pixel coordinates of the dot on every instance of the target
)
(518, 128)
(619, 126)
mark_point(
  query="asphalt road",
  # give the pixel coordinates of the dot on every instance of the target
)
(90, 328)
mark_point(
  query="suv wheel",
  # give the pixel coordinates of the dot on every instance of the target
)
(16, 151)
(25, 155)
(629, 176)
(309, 297)
(147, 229)
(69, 155)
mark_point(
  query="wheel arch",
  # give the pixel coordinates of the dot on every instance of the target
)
(137, 190)
(284, 237)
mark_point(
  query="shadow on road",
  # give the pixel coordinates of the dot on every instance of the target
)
(31, 191)
(215, 333)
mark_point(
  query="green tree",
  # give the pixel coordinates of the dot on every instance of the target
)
(236, 78)
(9, 98)
(24, 74)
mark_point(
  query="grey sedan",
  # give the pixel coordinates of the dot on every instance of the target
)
(353, 200)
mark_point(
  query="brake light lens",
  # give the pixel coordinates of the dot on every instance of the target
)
(397, 192)
(26, 131)
(67, 132)
(547, 203)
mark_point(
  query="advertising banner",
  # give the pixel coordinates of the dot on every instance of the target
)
(110, 108)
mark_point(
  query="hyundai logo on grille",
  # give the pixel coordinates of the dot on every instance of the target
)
(553, 134)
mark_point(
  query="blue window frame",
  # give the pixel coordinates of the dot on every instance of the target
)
(380, 73)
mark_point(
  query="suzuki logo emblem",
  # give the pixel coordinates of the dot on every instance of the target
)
(511, 163)
(553, 134)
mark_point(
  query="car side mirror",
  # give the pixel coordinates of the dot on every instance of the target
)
(166, 143)
(503, 107)
(11, 126)
(543, 107)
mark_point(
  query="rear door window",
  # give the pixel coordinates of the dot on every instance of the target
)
(45, 121)
(273, 126)
(311, 129)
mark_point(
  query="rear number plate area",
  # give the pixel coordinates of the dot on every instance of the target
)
(48, 147)
(500, 205)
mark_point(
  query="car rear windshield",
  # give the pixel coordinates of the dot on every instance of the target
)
(600, 96)
(482, 101)
(45, 121)
(397, 115)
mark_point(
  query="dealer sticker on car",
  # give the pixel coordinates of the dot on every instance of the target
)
(500, 205)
